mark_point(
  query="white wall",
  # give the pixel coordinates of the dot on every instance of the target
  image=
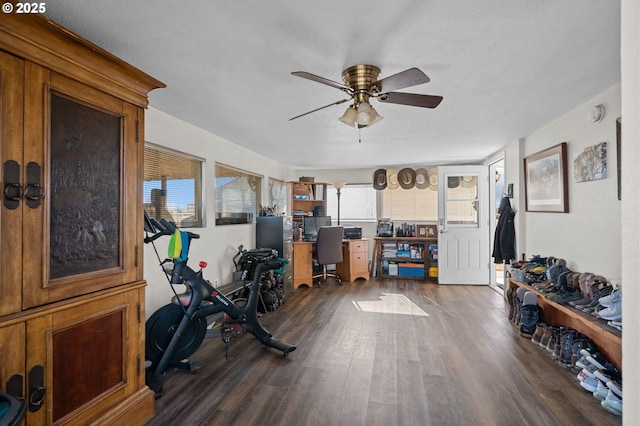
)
(588, 237)
(217, 244)
(630, 54)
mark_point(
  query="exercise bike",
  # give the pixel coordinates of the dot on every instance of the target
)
(176, 330)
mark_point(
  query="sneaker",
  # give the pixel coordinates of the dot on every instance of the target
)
(544, 340)
(519, 296)
(601, 391)
(589, 307)
(529, 298)
(565, 356)
(568, 297)
(582, 363)
(615, 324)
(598, 360)
(596, 311)
(613, 312)
(582, 376)
(579, 343)
(589, 384)
(511, 296)
(589, 371)
(587, 352)
(528, 320)
(615, 387)
(607, 371)
(537, 335)
(612, 403)
(602, 376)
(554, 339)
(600, 288)
(609, 300)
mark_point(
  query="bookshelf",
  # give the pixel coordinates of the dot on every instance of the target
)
(307, 197)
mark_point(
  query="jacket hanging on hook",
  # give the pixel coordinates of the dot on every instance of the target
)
(504, 243)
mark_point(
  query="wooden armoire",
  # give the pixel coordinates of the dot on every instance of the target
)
(72, 292)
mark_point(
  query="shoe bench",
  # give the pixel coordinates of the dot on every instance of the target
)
(607, 339)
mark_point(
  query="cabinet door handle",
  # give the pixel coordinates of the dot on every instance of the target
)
(12, 187)
(33, 193)
(37, 391)
(14, 386)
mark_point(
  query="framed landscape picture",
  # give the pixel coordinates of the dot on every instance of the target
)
(545, 180)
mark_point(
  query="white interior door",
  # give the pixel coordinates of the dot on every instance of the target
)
(463, 222)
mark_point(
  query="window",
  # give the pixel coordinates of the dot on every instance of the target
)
(173, 187)
(357, 202)
(237, 195)
(461, 194)
(412, 205)
(278, 196)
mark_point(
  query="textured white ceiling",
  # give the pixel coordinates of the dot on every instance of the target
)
(504, 67)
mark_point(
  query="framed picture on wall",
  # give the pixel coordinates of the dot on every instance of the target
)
(426, 231)
(545, 180)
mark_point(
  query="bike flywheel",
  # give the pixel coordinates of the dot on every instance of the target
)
(161, 327)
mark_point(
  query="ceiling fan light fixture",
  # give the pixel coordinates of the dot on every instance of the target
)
(349, 116)
(367, 115)
(376, 118)
(362, 82)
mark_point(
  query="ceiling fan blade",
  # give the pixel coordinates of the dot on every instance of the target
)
(322, 80)
(412, 99)
(406, 78)
(322, 107)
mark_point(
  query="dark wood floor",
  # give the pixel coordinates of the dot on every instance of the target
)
(463, 364)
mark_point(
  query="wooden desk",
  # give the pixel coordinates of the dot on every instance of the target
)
(355, 262)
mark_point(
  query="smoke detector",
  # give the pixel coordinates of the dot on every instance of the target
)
(596, 114)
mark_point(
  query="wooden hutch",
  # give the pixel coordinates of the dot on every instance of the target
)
(72, 294)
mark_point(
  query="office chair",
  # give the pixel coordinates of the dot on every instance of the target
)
(328, 250)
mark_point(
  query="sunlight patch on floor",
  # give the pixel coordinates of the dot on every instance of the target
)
(390, 303)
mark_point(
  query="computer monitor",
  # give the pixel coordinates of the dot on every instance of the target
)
(311, 225)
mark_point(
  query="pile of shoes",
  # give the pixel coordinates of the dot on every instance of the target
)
(601, 300)
(602, 379)
(531, 271)
(563, 343)
(575, 351)
(535, 270)
(584, 291)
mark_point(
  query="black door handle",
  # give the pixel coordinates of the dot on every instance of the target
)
(12, 187)
(33, 192)
(37, 391)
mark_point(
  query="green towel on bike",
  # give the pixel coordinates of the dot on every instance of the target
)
(179, 246)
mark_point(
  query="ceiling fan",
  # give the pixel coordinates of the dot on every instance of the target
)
(361, 84)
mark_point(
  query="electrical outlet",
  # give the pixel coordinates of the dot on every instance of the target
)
(215, 283)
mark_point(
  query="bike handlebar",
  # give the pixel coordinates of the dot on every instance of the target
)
(272, 264)
(161, 228)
